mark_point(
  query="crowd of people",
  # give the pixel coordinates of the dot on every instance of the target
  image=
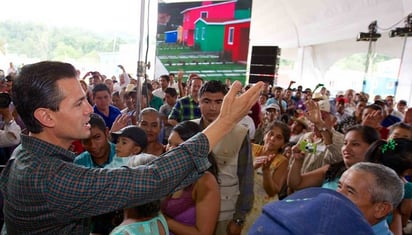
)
(181, 155)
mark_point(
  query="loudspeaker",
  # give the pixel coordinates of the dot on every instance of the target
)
(264, 64)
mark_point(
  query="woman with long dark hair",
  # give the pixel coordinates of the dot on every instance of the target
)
(194, 209)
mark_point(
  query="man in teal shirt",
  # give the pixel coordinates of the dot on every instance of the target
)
(99, 150)
(99, 153)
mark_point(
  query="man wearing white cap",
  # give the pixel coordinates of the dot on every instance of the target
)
(272, 113)
(322, 145)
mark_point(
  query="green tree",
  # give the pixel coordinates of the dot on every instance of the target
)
(51, 43)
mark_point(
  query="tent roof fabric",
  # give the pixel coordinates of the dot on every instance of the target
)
(296, 23)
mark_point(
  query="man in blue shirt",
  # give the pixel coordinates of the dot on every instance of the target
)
(102, 104)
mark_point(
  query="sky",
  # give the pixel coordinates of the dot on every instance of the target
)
(99, 16)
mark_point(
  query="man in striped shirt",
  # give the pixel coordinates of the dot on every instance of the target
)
(187, 108)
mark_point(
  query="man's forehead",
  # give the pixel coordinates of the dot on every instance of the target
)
(358, 175)
(213, 96)
(101, 93)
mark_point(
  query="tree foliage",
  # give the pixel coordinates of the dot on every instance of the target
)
(51, 43)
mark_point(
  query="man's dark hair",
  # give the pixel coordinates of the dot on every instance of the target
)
(264, 94)
(376, 107)
(9, 78)
(381, 103)
(100, 87)
(402, 102)
(97, 121)
(171, 91)
(146, 87)
(190, 81)
(213, 86)
(166, 77)
(116, 93)
(36, 87)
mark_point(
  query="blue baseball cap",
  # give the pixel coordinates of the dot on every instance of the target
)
(311, 211)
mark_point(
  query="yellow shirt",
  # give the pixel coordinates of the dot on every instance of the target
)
(261, 197)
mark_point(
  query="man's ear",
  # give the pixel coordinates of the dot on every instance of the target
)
(44, 116)
(382, 209)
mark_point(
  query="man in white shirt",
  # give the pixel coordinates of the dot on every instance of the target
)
(172, 83)
(247, 121)
(164, 83)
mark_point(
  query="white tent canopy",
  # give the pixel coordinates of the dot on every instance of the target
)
(318, 33)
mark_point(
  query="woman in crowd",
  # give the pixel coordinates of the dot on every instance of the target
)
(271, 168)
(194, 209)
(356, 142)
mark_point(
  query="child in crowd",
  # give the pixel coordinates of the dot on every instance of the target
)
(130, 140)
(145, 219)
(271, 168)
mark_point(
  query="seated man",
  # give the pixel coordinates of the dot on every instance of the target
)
(375, 189)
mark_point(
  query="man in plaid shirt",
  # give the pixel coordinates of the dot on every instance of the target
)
(45, 193)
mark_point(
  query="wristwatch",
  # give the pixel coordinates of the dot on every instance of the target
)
(239, 222)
